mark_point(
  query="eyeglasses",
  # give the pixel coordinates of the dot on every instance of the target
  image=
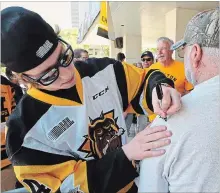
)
(51, 75)
(180, 50)
(146, 59)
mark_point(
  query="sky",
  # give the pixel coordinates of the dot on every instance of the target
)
(57, 13)
(53, 12)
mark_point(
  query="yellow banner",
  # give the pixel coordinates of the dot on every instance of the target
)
(105, 26)
(104, 15)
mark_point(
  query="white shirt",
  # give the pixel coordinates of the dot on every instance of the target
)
(192, 161)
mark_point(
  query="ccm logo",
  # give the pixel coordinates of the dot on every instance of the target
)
(100, 93)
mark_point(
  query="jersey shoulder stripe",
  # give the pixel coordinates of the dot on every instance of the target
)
(28, 157)
(93, 66)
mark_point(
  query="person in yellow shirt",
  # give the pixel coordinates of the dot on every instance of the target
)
(173, 69)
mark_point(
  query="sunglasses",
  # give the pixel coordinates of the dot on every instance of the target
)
(51, 75)
(181, 51)
(146, 59)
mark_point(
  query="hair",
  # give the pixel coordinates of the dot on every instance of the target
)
(17, 78)
(165, 39)
(9, 74)
(120, 56)
(85, 51)
(77, 52)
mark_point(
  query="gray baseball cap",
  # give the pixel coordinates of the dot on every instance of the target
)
(202, 29)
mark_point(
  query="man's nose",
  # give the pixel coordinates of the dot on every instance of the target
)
(158, 51)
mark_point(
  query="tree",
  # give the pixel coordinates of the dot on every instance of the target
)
(70, 35)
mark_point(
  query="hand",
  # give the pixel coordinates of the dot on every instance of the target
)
(171, 102)
(141, 145)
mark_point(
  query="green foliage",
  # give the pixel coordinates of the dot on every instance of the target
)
(105, 50)
(153, 50)
(70, 35)
(2, 69)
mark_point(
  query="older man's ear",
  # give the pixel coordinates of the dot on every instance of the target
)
(196, 55)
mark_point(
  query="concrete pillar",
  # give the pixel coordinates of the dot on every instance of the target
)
(132, 48)
(176, 21)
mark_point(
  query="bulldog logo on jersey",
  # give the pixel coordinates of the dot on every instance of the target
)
(104, 136)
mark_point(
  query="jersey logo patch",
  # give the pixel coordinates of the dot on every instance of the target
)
(100, 93)
(60, 128)
(36, 187)
(104, 136)
(44, 49)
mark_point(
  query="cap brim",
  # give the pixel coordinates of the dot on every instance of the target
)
(178, 44)
(144, 55)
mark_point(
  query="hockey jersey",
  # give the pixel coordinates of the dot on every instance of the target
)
(70, 140)
(10, 95)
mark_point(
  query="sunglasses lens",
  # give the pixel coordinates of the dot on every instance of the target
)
(181, 52)
(50, 77)
(67, 58)
(146, 59)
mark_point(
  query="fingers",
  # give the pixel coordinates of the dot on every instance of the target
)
(148, 131)
(157, 136)
(170, 104)
(166, 101)
(157, 109)
(154, 153)
(155, 144)
(176, 103)
(156, 104)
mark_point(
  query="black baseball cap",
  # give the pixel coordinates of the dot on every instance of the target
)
(147, 53)
(26, 39)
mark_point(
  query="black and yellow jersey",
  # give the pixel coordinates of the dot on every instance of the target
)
(7, 99)
(10, 95)
(70, 140)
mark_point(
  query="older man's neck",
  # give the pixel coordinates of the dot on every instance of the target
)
(207, 72)
(167, 62)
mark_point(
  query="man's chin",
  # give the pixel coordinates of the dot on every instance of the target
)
(67, 86)
(161, 60)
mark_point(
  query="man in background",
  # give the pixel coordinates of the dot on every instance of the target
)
(147, 59)
(80, 55)
(191, 162)
(173, 69)
(139, 122)
(121, 57)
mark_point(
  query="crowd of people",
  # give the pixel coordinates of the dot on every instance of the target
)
(68, 118)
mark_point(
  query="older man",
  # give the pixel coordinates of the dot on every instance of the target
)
(173, 69)
(191, 163)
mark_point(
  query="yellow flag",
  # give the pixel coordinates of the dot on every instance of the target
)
(104, 15)
(105, 26)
